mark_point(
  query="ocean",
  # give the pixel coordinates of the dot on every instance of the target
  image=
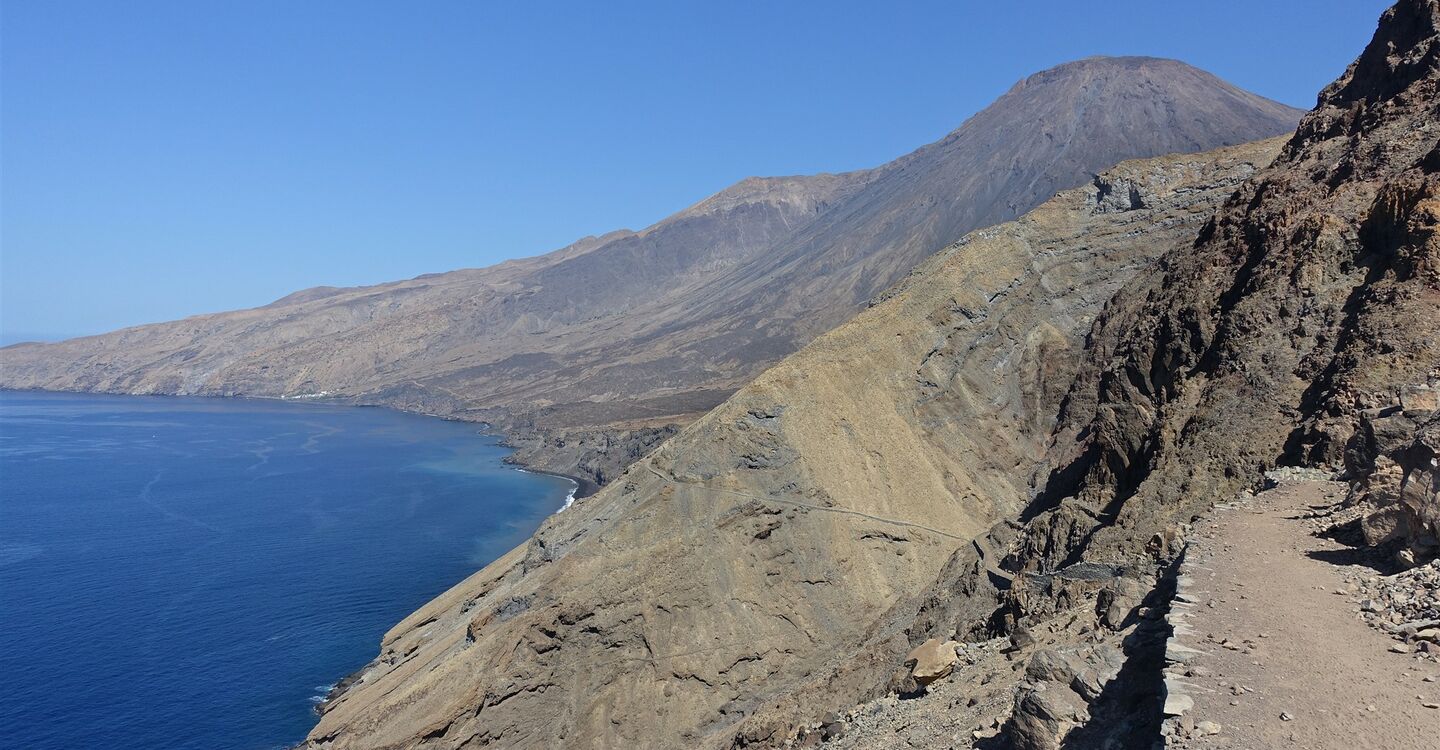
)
(196, 573)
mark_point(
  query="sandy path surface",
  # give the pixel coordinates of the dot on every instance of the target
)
(1280, 638)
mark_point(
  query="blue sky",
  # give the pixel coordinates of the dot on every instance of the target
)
(160, 159)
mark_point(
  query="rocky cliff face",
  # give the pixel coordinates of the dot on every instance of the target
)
(1298, 329)
(590, 456)
(1005, 445)
(700, 598)
(663, 324)
(1310, 298)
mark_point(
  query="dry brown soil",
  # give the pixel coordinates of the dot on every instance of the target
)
(1277, 594)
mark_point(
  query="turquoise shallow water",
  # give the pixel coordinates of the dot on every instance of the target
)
(194, 573)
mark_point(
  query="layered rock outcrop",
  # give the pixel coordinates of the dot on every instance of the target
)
(1291, 332)
(1393, 460)
(1008, 443)
(741, 576)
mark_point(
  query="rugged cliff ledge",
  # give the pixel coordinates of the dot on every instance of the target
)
(592, 456)
(1311, 297)
(1298, 329)
(773, 538)
(1006, 446)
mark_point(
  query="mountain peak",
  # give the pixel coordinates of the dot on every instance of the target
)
(1154, 74)
(1117, 61)
(666, 321)
(1120, 107)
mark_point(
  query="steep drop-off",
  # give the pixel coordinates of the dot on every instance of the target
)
(1008, 444)
(662, 324)
(1301, 328)
(770, 539)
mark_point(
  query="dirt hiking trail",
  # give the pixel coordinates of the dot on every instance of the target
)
(1281, 657)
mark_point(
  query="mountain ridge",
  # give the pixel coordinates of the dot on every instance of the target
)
(662, 324)
(768, 535)
(992, 470)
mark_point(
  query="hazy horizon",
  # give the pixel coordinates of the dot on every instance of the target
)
(161, 161)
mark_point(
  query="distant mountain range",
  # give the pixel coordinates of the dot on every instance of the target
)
(657, 326)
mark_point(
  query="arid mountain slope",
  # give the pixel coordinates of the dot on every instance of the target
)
(1299, 329)
(770, 562)
(770, 538)
(662, 324)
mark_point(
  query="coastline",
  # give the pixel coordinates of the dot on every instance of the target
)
(584, 487)
(580, 487)
(569, 499)
(454, 467)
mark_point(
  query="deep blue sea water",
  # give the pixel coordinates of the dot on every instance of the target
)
(192, 573)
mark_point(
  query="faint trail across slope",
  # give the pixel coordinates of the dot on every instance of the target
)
(809, 506)
(987, 555)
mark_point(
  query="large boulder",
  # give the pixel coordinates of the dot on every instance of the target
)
(1394, 462)
(1116, 602)
(1055, 698)
(1385, 525)
(933, 660)
(1044, 715)
(1047, 664)
(1420, 398)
